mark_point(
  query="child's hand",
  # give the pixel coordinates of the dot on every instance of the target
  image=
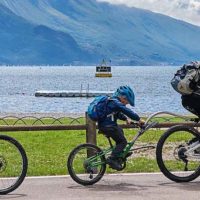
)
(141, 122)
(128, 121)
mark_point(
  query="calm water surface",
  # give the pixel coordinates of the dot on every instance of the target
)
(18, 85)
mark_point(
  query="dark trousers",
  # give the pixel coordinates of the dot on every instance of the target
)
(117, 134)
(192, 103)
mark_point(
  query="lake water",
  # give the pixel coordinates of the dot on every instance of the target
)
(151, 85)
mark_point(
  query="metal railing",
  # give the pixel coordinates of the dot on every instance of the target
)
(31, 123)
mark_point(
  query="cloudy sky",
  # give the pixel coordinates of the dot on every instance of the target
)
(187, 10)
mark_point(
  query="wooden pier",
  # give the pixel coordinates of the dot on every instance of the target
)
(72, 93)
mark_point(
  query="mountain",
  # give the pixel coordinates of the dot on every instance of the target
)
(24, 43)
(77, 31)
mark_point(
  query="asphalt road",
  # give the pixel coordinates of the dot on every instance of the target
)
(112, 187)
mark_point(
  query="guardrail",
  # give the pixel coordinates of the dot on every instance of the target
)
(31, 123)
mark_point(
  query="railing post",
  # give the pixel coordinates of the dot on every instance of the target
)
(90, 130)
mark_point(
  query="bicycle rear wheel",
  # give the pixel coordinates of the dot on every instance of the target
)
(174, 157)
(13, 164)
(85, 164)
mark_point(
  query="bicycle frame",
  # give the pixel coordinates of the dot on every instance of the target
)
(190, 152)
(129, 146)
(92, 160)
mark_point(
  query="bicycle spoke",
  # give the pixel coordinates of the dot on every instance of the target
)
(13, 165)
(175, 156)
(86, 165)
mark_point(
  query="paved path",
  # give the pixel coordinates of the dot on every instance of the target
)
(112, 187)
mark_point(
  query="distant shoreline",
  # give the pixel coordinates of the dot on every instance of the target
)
(164, 65)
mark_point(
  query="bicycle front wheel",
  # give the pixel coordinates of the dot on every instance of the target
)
(86, 165)
(175, 157)
(13, 164)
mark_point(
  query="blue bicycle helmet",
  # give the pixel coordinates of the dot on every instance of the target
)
(127, 92)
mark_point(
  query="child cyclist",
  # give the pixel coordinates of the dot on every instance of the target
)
(116, 109)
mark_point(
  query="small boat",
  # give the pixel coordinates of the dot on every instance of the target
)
(103, 70)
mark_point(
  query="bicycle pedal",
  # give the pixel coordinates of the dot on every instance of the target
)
(114, 164)
(91, 176)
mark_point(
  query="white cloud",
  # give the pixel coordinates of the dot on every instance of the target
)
(187, 10)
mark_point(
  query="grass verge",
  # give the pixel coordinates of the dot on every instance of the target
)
(47, 151)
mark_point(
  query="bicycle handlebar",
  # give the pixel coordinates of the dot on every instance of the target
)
(135, 124)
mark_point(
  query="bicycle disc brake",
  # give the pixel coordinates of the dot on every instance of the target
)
(182, 156)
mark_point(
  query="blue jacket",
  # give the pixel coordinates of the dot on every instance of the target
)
(117, 110)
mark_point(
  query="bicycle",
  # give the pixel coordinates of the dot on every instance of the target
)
(87, 162)
(178, 151)
(13, 164)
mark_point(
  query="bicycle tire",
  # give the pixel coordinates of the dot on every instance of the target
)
(160, 154)
(71, 171)
(14, 181)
